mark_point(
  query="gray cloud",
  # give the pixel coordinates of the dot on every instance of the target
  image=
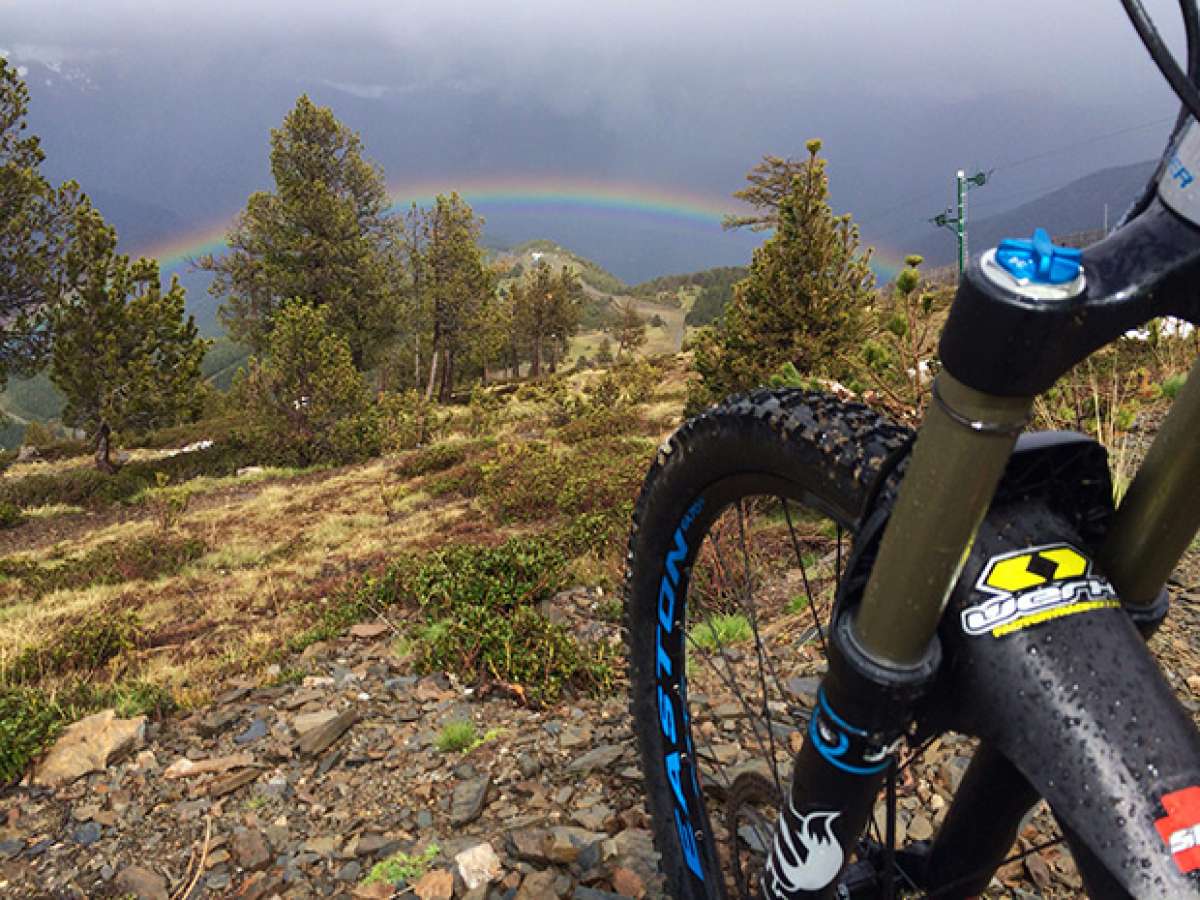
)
(687, 94)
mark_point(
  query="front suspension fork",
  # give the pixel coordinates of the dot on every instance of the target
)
(884, 653)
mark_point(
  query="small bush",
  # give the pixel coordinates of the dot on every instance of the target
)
(1173, 385)
(10, 515)
(720, 630)
(407, 420)
(532, 481)
(113, 562)
(439, 457)
(29, 720)
(402, 867)
(456, 736)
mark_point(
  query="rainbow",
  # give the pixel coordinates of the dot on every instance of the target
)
(516, 194)
(523, 195)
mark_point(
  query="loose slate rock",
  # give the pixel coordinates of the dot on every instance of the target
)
(142, 883)
(89, 746)
(537, 886)
(250, 850)
(257, 729)
(478, 865)
(86, 835)
(466, 805)
(227, 784)
(319, 739)
(435, 885)
(600, 758)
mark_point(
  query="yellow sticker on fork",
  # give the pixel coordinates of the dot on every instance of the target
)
(1035, 585)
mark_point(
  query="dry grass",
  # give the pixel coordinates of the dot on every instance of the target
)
(278, 542)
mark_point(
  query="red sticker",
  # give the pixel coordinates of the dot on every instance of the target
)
(1180, 828)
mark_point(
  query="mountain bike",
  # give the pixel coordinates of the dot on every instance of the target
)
(818, 598)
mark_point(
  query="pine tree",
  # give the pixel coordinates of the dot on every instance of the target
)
(630, 327)
(125, 357)
(323, 236)
(770, 184)
(307, 402)
(547, 309)
(35, 223)
(803, 301)
(457, 286)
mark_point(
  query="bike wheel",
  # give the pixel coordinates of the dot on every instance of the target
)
(736, 554)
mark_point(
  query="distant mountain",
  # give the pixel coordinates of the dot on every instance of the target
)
(1077, 207)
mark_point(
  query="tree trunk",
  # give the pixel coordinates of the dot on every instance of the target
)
(433, 365)
(417, 360)
(103, 445)
(447, 377)
(535, 363)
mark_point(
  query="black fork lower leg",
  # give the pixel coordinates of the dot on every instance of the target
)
(863, 708)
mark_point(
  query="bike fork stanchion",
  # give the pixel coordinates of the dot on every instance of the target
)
(884, 652)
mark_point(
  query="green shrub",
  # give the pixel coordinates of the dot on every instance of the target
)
(1173, 385)
(407, 420)
(113, 562)
(464, 480)
(532, 481)
(402, 867)
(440, 456)
(10, 515)
(38, 435)
(720, 630)
(30, 717)
(29, 720)
(305, 401)
(455, 736)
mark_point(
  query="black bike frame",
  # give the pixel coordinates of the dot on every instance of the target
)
(1049, 691)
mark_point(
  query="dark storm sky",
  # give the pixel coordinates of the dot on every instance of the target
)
(169, 103)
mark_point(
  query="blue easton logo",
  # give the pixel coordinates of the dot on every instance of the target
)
(1180, 172)
(843, 745)
(669, 719)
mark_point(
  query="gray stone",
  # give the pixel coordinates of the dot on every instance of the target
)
(424, 819)
(142, 883)
(218, 881)
(469, 799)
(10, 848)
(528, 844)
(350, 871)
(565, 843)
(86, 835)
(250, 849)
(804, 689)
(537, 886)
(217, 721)
(529, 765)
(320, 738)
(595, 818)
(257, 730)
(587, 893)
(600, 758)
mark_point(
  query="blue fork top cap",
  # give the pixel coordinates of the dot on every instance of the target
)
(1037, 260)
